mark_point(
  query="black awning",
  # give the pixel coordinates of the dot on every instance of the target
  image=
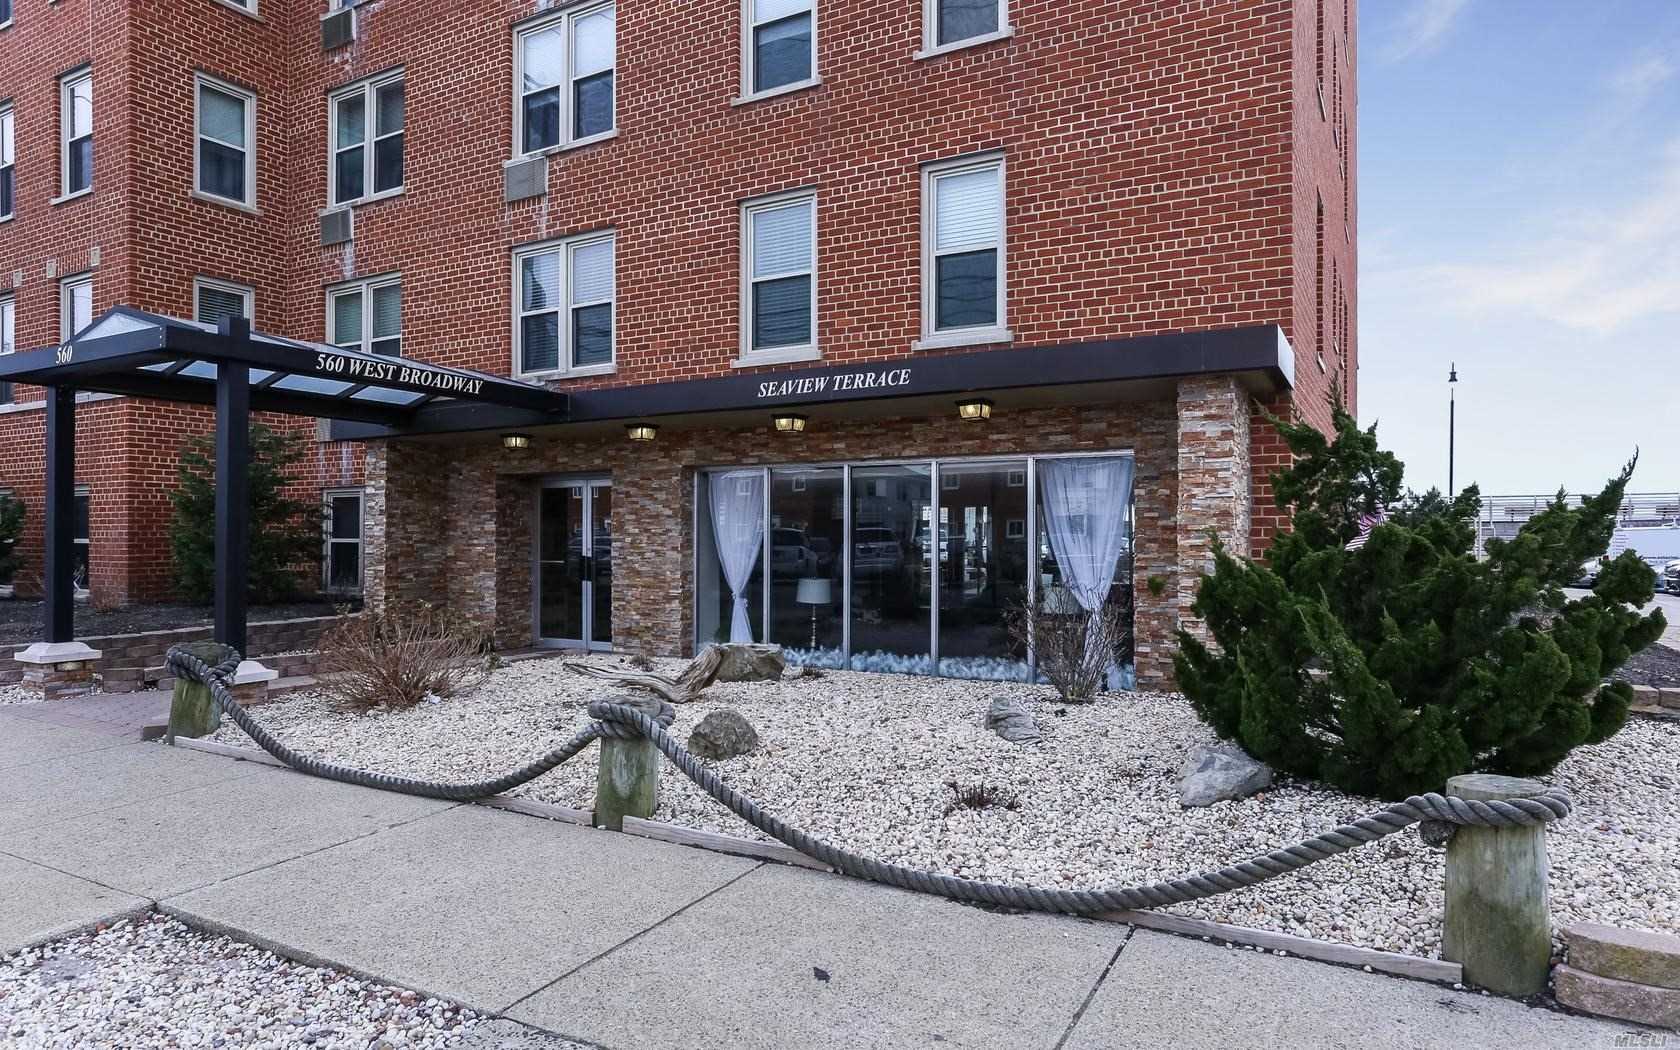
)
(130, 351)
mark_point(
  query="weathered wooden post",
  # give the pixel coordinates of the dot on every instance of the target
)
(627, 782)
(1498, 913)
(192, 710)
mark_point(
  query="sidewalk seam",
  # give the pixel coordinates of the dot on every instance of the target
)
(1096, 986)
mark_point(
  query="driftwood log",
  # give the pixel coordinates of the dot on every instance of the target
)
(699, 674)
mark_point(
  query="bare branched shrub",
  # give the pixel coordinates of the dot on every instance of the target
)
(979, 796)
(398, 656)
(1074, 648)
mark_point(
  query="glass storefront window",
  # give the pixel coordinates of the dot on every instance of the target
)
(807, 583)
(729, 562)
(892, 511)
(982, 568)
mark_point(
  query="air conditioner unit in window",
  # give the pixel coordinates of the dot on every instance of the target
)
(338, 28)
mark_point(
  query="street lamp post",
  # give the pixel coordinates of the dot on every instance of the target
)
(1452, 424)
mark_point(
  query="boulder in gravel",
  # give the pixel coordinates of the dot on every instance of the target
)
(723, 734)
(1009, 719)
(1217, 772)
(750, 663)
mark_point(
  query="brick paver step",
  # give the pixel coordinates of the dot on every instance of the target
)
(1625, 955)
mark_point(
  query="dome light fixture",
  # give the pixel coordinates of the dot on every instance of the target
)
(975, 408)
(641, 431)
(790, 423)
(515, 441)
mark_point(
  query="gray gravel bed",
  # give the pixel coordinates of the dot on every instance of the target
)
(153, 982)
(864, 761)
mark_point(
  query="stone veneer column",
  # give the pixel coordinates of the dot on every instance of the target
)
(1213, 481)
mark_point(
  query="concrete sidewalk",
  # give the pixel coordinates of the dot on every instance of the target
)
(628, 943)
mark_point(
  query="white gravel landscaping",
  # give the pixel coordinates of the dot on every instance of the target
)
(153, 982)
(863, 760)
(17, 694)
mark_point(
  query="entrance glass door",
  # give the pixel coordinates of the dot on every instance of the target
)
(574, 564)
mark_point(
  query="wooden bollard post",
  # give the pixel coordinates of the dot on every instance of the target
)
(192, 710)
(1498, 913)
(627, 782)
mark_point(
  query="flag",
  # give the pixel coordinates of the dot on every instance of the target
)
(1367, 522)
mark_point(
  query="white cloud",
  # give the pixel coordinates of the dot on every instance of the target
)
(1596, 271)
(1643, 75)
(1422, 27)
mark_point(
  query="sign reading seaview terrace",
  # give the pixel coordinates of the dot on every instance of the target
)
(863, 381)
(396, 373)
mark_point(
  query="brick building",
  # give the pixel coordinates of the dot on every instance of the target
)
(760, 250)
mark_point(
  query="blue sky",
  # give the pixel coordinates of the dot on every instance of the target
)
(1520, 215)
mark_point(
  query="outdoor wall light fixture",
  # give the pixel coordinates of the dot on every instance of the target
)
(514, 442)
(642, 431)
(790, 423)
(974, 408)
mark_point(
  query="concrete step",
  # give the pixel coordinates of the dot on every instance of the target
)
(1626, 955)
(1623, 1000)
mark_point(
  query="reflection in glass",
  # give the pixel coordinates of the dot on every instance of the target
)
(600, 568)
(560, 563)
(982, 567)
(891, 593)
(807, 537)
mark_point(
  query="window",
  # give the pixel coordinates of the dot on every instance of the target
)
(5, 13)
(8, 162)
(75, 110)
(779, 288)
(962, 253)
(953, 23)
(8, 340)
(215, 301)
(564, 306)
(367, 140)
(75, 302)
(780, 45)
(367, 316)
(81, 569)
(226, 164)
(341, 562)
(565, 78)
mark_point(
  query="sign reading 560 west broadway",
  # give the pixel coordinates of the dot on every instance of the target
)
(395, 373)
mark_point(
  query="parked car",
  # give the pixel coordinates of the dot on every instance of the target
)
(824, 550)
(875, 550)
(1669, 579)
(791, 553)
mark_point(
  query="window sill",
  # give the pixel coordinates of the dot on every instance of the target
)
(247, 12)
(65, 198)
(564, 147)
(374, 198)
(776, 92)
(7, 218)
(780, 356)
(226, 202)
(962, 45)
(575, 373)
(1322, 115)
(963, 337)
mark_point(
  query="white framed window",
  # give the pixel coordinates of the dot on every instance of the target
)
(214, 301)
(225, 160)
(341, 527)
(564, 301)
(8, 162)
(951, 24)
(963, 265)
(779, 279)
(82, 536)
(75, 305)
(365, 130)
(366, 315)
(564, 69)
(75, 113)
(5, 13)
(8, 340)
(778, 46)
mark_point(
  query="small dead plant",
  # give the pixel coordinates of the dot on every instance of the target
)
(402, 654)
(1073, 648)
(979, 796)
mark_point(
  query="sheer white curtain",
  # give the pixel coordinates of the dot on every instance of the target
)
(737, 498)
(1085, 501)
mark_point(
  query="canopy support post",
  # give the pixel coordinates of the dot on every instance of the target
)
(233, 485)
(60, 524)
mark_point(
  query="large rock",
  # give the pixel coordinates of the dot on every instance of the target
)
(1624, 1000)
(1626, 955)
(1218, 772)
(1009, 719)
(722, 734)
(750, 663)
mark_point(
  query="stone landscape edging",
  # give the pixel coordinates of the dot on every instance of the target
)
(1395, 964)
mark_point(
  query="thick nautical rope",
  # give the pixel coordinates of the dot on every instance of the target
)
(623, 721)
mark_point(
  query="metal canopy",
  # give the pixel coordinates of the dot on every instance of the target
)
(130, 351)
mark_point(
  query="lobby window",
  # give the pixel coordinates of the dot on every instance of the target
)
(963, 253)
(8, 162)
(8, 339)
(75, 305)
(341, 561)
(779, 286)
(215, 301)
(564, 306)
(367, 316)
(226, 164)
(75, 109)
(953, 23)
(367, 140)
(565, 74)
(779, 44)
(81, 565)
